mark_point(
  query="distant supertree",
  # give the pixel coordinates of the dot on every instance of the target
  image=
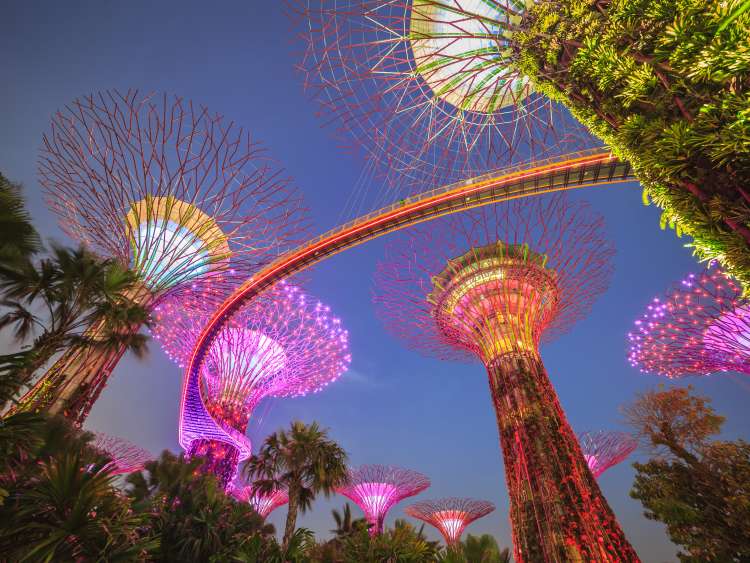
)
(491, 284)
(126, 457)
(702, 326)
(181, 196)
(281, 344)
(263, 504)
(376, 488)
(428, 87)
(451, 515)
(603, 450)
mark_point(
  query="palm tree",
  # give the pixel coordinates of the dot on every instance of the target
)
(18, 238)
(71, 512)
(345, 526)
(302, 460)
(58, 298)
(190, 513)
(484, 549)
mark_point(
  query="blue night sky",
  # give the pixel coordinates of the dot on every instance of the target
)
(394, 406)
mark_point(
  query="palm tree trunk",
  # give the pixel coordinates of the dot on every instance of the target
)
(291, 518)
(69, 386)
(75, 381)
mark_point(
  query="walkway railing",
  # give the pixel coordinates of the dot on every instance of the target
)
(592, 167)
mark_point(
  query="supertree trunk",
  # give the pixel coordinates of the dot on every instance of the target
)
(219, 458)
(557, 511)
(74, 382)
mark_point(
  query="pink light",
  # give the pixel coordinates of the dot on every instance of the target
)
(375, 497)
(451, 523)
(126, 457)
(450, 515)
(603, 449)
(702, 326)
(265, 504)
(377, 488)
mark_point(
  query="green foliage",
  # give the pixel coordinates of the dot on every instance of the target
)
(400, 544)
(57, 299)
(699, 488)
(18, 238)
(61, 504)
(189, 511)
(665, 84)
(484, 549)
(304, 461)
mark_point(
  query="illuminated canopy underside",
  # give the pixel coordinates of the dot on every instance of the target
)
(461, 51)
(241, 362)
(497, 298)
(728, 338)
(173, 241)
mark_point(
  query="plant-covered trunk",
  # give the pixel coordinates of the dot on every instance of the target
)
(666, 87)
(74, 382)
(557, 511)
(72, 385)
(291, 517)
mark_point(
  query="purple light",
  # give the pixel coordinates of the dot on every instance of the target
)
(702, 326)
(603, 450)
(450, 516)
(278, 345)
(126, 457)
(377, 488)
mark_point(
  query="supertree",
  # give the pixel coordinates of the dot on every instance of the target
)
(428, 87)
(281, 344)
(603, 450)
(126, 457)
(181, 196)
(376, 488)
(450, 515)
(263, 504)
(491, 284)
(702, 326)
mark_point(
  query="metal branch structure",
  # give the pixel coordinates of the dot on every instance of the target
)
(180, 195)
(584, 169)
(450, 515)
(263, 504)
(701, 326)
(603, 449)
(427, 88)
(492, 284)
(377, 488)
(284, 343)
(126, 457)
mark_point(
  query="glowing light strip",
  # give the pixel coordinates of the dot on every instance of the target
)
(400, 217)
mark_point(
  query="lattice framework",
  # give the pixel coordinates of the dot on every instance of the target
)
(492, 284)
(284, 343)
(701, 326)
(604, 449)
(427, 88)
(377, 488)
(126, 457)
(450, 515)
(181, 195)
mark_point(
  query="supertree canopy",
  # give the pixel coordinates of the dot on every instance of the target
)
(179, 195)
(263, 504)
(491, 284)
(376, 488)
(126, 457)
(451, 515)
(281, 344)
(603, 450)
(428, 87)
(701, 326)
